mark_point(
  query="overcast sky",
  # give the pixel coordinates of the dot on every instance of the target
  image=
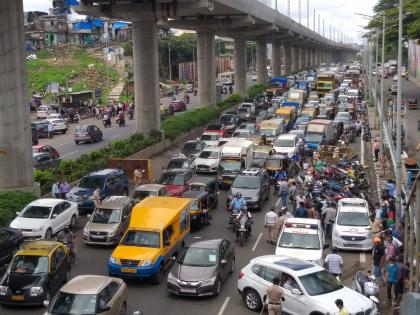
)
(338, 13)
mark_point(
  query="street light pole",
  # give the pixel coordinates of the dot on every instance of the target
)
(382, 109)
(307, 13)
(169, 63)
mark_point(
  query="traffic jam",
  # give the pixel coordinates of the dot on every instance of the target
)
(285, 163)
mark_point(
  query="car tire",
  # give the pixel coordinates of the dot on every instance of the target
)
(48, 234)
(158, 276)
(232, 267)
(64, 131)
(217, 287)
(77, 142)
(73, 221)
(123, 309)
(252, 300)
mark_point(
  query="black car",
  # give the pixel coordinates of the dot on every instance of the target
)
(87, 133)
(10, 240)
(201, 268)
(179, 163)
(230, 121)
(44, 160)
(41, 128)
(254, 185)
(35, 138)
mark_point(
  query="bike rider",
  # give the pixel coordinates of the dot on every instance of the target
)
(243, 218)
(238, 203)
(107, 119)
(66, 237)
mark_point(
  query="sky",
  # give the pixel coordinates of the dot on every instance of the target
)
(338, 13)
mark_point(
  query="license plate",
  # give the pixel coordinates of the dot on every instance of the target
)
(18, 297)
(97, 237)
(188, 290)
(227, 181)
(129, 270)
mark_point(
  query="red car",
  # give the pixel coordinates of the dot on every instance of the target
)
(177, 106)
(176, 182)
(219, 128)
(39, 148)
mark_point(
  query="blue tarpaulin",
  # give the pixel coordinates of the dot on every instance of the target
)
(71, 2)
(98, 23)
(279, 80)
(77, 26)
(120, 24)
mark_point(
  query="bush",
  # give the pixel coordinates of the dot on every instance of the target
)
(10, 203)
(257, 89)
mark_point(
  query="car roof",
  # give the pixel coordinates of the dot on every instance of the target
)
(87, 284)
(203, 179)
(38, 248)
(205, 243)
(50, 202)
(198, 194)
(105, 172)
(149, 187)
(114, 202)
(287, 136)
(292, 265)
(210, 133)
(302, 221)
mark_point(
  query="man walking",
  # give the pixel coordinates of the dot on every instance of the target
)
(292, 195)
(378, 258)
(275, 296)
(301, 211)
(376, 149)
(50, 130)
(55, 190)
(270, 223)
(391, 274)
(333, 262)
(329, 213)
(64, 189)
(284, 187)
(138, 176)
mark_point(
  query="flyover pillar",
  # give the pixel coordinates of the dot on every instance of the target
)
(16, 165)
(288, 59)
(295, 59)
(276, 59)
(262, 76)
(146, 76)
(300, 58)
(317, 62)
(313, 57)
(307, 58)
(240, 66)
(206, 69)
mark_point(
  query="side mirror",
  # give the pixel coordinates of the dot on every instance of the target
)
(296, 291)
(88, 215)
(17, 212)
(166, 243)
(224, 261)
(54, 215)
(46, 303)
(326, 246)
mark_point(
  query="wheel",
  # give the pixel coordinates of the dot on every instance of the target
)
(73, 221)
(48, 234)
(64, 131)
(267, 196)
(252, 300)
(158, 276)
(232, 268)
(260, 206)
(123, 308)
(218, 287)
(77, 142)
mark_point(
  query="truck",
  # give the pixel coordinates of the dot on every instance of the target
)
(303, 85)
(319, 131)
(326, 83)
(237, 155)
(297, 96)
(271, 129)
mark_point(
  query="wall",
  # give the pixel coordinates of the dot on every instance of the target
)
(414, 59)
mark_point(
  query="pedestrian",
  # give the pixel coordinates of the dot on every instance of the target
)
(401, 277)
(283, 215)
(315, 157)
(97, 196)
(378, 211)
(270, 223)
(333, 262)
(391, 275)
(50, 130)
(64, 188)
(383, 164)
(375, 226)
(284, 187)
(341, 309)
(301, 211)
(138, 176)
(292, 195)
(329, 213)
(376, 149)
(378, 258)
(275, 296)
(55, 190)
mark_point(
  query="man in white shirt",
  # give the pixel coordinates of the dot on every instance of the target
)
(333, 262)
(270, 223)
(50, 130)
(329, 213)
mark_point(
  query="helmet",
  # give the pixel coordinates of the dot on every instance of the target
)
(377, 240)
(238, 195)
(67, 229)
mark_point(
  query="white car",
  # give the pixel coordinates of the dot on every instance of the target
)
(44, 217)
(208, 160)
(286, 144)
(395, 78)
(59, 124)
(247, 126)
(310, 290)
(254, 77)
(251, 106)
(210, 138)
(43, 111)
(243, 134)
(351, 229)
(303, 238)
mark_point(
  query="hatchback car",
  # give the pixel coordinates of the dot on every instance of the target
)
(244, 114)
(179, 163)
(148, 190)
(41, 128)
(308, 288)
(43, 111)
(87, 133)
(193, 148)
(219, 128)
(90, 294)
(177, 106)
(44, 160)
(201, 268)
(229, 121)
(10, 240)
(59, 125)
(45, 148)
(176, 182)
(44, 217)
(35, 274)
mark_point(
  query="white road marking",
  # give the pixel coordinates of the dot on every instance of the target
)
(278, 203)
(116, 136)
(362, 257)
(71, 153)
(63, 144)
(256, 242)
(222, 309)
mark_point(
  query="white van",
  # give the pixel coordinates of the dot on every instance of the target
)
(43, 111)
(286, 144)
(303, 239)
(351, 229)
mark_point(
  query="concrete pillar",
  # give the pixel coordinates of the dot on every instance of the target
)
(288, 59)
(313, 57)
(16, 166)
(146, 76)
(206, 69)
(262, 76)
(307, 58)
(276, 62)
(240, 66)
(294, 59)
(300, 58)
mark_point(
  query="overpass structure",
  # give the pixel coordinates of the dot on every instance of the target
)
(294, 45)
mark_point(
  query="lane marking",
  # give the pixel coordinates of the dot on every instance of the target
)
(63, 144)
(225, 303)
(362, 257)
(71, 153)
(116, 136)
(257, 241)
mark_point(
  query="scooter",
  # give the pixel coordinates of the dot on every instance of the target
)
(106, 122)
(121, 121)
(366, 285)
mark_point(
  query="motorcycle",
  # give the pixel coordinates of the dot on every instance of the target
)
(106, 122)
(120, 121)
(243, 229)
(366, 285)
(70, 246)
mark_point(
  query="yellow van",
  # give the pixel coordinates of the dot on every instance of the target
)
(288, 113)
(157, 229)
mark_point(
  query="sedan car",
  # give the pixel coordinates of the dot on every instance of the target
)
(45, 148)
(10, 240)
(179, 163)
(219, 128)
(59, 125)
(193, 148)
(208, 160)
(44, 160)
(87, 133)
(177, 106)
(176, 182)
(201, 268)
(229, 121)
(44, 217)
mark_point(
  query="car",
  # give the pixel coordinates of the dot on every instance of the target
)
(249, 105)
(254, 77)
(35, 274)
(229, 121)
(247, 126)
(192, 148)
(395, 78)
(44, 160)
(310, 290)
(108, 222)
(208, 160)
(299, 133)
(45, 148)
(44, 217)
(394, 89)
(286, 144)
(312, 103)
(345, 115)
(41, 128)
(201, 267)
(10, 240)
(179, 163)
(300, 120)
(55, 116)
(351, 228)
(177, 106)
(176, 182)
(59, 124)
(303, 238)
(35, 138)
(87, 133)
(219, 128)
(254, 185)
(210, 138)
(412, 103)
(243, 134)
(147, 190)
(110, 181)
(43, 111)
(90, 294)
(244, 113)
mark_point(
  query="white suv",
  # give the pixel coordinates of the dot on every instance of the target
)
(310, 290)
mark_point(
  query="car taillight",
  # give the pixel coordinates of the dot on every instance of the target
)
(241, 274)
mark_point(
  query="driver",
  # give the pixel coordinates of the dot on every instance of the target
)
(238, 203)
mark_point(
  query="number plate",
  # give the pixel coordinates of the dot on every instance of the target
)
(129, 270)
(18, 297)
(227, 181)
(97, 237)
(188, 291)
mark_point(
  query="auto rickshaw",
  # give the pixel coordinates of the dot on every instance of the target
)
(199, 207)
(276, 162)
(209, 185)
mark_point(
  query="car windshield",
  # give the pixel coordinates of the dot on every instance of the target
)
(247, 182)
(73, 304)
(210, 137)
(209, 155)
(36, 212)
(191, 147)
(141, 239)
(81, 129)
(214, 127)
(140, 195)
(243, 110)
(321, 282)
(171, 179)
(91, 182)
(313, 137)
(353, 218)
(241, 134)
(226, 119)
(299, 240)
(230, 165)
(198, 257)
(268, 132)
(106, 216)
(260, 155)
(182, 164)
(284, 143)
(26, 264)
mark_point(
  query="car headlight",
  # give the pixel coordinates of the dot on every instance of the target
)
(35, 291)
(209, 281)
(38, 229)
(113, 232)
(3, 290)
(172, 278)
(114, 260)
(146, 263)
(85, 231)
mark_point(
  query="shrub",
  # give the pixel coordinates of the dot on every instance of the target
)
(257, 89)
(11, 202)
